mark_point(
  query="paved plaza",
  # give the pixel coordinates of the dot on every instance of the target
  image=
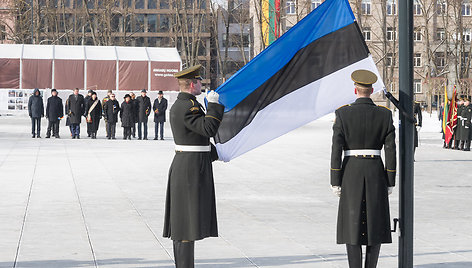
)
(100, 203)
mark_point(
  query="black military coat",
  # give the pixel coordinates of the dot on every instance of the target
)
(459, 127)
(467, 117)
(363, 216)
(127, 114)
(110, 111)
(418, 120)
(190, 212)
(143, 107)
(76, 108)
(54, 109)
(159, 109)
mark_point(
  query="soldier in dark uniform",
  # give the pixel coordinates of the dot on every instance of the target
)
(418, 121)
(190, 202)
(467, 117)
(458, 128)
(360, 179)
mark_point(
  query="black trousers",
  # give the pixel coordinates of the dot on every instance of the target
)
(126, 132)
(54, 127)
(354, 255)
(35, 125)
(142, 125)
(156, 129)
(184, 254)
(133, 130)
(111, 130)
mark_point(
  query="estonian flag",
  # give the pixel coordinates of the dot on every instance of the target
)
(302, 76)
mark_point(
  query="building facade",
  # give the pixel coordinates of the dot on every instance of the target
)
(152, 23)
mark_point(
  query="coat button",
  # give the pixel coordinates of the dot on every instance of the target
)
(363, 222)
(363, 234)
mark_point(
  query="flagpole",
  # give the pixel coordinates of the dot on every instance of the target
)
(406, 171)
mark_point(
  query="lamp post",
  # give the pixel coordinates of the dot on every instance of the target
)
(405, 247)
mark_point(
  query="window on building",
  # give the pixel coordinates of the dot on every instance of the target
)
(152, 23)
(291, 7)
(417, 85)
(441, 7)
(391, 34)
(417, 34)
(440, 59)
(91, 4)
(139, 23)
(139, 4)
(315, 4)
(163, 23)
(366, 7)
(164, 4)
(465, 60)
(3, 34)
(391, 7)
(367, 33)
(152, 4)
(115, 23)
(466, 8)
(417, 8)
(390, 60)
(417, 60)
(440, 34)
(466, 34)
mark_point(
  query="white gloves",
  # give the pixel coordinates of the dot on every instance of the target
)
(212, 96)
(336, 190)
(390, 190)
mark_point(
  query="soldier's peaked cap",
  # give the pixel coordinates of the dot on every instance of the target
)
(364, 77)
(189, 73)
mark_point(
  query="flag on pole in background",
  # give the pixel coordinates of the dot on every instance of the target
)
(445, 110)
(302, 76)
(451, 118)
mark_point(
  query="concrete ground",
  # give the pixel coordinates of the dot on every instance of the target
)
(100, 203)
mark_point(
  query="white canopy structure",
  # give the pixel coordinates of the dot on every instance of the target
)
(88, 67)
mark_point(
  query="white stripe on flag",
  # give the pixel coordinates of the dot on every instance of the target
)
(297, 109)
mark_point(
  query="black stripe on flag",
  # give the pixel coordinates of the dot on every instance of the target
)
(320, 58)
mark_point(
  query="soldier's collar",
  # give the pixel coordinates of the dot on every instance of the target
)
(364, 101)
(186, 96)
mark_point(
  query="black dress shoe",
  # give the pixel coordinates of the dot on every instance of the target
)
(155, 138)
(139, 138)
(34, 136)
(162, 139)
(39, 137)
(58, 137)
(78, 137)
(113, 138)
(145, 139)
(48, 136)
(73, 136)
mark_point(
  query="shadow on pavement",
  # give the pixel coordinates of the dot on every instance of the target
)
(462, 264)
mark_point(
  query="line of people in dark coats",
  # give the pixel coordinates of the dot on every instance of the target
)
(132, 111)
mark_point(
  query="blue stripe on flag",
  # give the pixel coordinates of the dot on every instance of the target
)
(327, 18)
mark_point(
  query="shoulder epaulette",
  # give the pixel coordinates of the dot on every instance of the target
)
(343, 106)
(384, 107)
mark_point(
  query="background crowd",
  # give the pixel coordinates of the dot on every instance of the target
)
(131, 112)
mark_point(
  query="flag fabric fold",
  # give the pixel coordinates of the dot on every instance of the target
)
(302, 76)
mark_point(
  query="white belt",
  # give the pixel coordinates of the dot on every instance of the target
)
(361, 152)
(192, 148)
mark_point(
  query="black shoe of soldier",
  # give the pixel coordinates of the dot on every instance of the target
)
(39, 137)
(155, 138)
(34, 136)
